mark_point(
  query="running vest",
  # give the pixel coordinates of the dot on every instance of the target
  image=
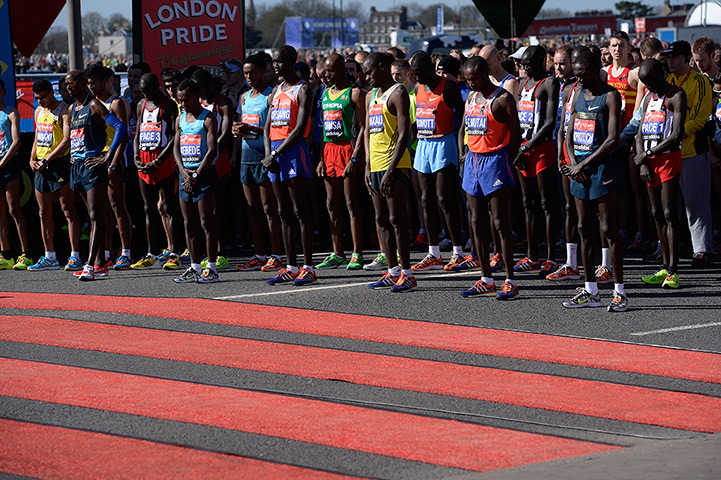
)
(153, 128)
(434, 118)
(284, 113)
(590, 127)
(87, 138)
(485, 133)
(531, 111)
(254, 111)
(338, 115)
(628, 94)
(6, 134)
(568, 111)
(505, 79)
(383, 132)
(193, 140)
(657, 122)
(48, 132)
(212, 108)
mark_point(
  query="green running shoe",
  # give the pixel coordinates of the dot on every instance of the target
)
(333, 261)
(6, 263)
(221, 262)
(356, 262)
(671, 281)
(657, 278)
(22, 262)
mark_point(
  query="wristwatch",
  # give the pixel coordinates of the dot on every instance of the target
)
(193, 174)
(649, 153)
(523, 148)
(274, 154)
(353, 160)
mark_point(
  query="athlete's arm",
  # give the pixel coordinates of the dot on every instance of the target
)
(14, 118)
(358, 102)
(613, 102)
(211, 125)
(512, 86)
(35, 165)
(561, 138)
(505, 110)
(461, 138)
(453, 98)
(226, 127)
(176, 149)
(549, 90)
(366, 144)
(136, 140)
(266, 129)
(400, 102)
(121, 109)
(633, 78)
(700, 110)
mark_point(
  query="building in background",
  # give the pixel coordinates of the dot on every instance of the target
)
(381, 25)
(119, 43)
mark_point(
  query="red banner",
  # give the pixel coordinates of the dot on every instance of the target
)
(191, 32)
(575, 26)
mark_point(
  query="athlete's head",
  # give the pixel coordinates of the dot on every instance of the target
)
(203, 79)
(377, 68)
(98, 78)
(533, 61)
(576, 51)
(335, 70)
(422, 67)
(189, 95)
(76, 83)
(254, 71)
(137, 70)
(354, 69)
(284, 60)
(652, 75)
(149, 85)
(400, 70)
(42, 92)
(651, 48)
(475, 71)
(587, 69)
(475, 50)
(703, 50)
(562, 62)
(619, 45)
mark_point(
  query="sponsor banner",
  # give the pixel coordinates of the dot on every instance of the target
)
(571, 26)
(191, 32)
(300, 31)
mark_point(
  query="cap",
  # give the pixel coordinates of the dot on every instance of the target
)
(680, 47)
(450, 65)
(232, 65)
(519, 53)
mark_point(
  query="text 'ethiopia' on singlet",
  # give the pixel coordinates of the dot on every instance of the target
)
(338, 115)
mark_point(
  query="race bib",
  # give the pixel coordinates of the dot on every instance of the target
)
(525, 117)
(280, 114)
(584, 130)
(375, 118)
(652, 128)
(44, 135)
(251, 119)
(77, 140)
(333, 123)
(2, 142)
(190, 148)
(426, 121)
(150, 135)
(476, 121)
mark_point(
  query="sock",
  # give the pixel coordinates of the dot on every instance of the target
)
(293, 269)
(395, 271)
(125, 252)
(618, 287)
(606, 257)
(50, 256)
(592, 288)
(457, 250)
(422, 231)
(434, 250)
(572, 255)
(488, 280)
(75, 254)
(512, 282)
(407, 273)
(154, 257)
(211, 266)
(107, 254)
(196, 267)
(308, 267)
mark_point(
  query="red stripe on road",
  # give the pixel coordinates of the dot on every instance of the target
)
(584, 397)
(666, 362)
(423, 439)
(40, 451)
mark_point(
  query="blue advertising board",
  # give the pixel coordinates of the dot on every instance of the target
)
(299, 31)
(7, 65)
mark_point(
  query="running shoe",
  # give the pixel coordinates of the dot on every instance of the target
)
(468, 263)
(284, 276)
(124, 263)
(481, 288)
(527, 265)
(453, 262)
(604, 275)
(405, 284)
(208, 276)
(699, 260)
(583, 299)
(547, 268)
(185, 257)
(97, 271)
(22, 262)
(386, 281)
(306, 277)
(619, 302)
(671, 281)
(656, 257)
(640, 243)
(420, 240)
(564, 272)
(333, 261)
(379, 263)
(446, 245)
(87, 274)
(74, 264)
(189, 276)
(146, 262)
(508, 291)
(252, 265)
(356, 262)
(273, 264)
(221, 262)
(497, 263)
(45, 264)
(6, 263)
(429, 262)
(173, 262)
(165, 255)
(657, 278)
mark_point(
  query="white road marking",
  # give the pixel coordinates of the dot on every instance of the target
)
(345, 285)
(676, 329)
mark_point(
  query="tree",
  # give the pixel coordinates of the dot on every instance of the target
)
(117, 21)
(632, 10)
(93, 27)
(56, 40)
(553, 13)
(428, 15)
(270, 21)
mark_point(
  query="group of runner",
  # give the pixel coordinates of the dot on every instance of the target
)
(386, 120)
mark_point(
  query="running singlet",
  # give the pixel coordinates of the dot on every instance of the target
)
(87, 138)
(153, 128)
(590, 128)
(211, 107)
(193, 140)
(628, 94)
(657, 122)
(434, 118)
(531, 111)
(48, 132)
(338, 115)
(6, 136)
(485, 133)
(505, 79)
(383, 132)
(254, 111)
(284, 112)
(110, 131)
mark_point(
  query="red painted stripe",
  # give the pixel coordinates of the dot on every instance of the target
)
(583, 397)
(40, 451)
(411, 437)
(704, 367)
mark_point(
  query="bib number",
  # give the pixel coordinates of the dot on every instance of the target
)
(333, 123)
(150, 135)
(584, 131)
(375, 119)
(190, 148)
(77, 140)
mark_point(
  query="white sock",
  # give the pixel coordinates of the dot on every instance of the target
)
(407, 273)
(592, 288)
(457, 250)
(75, 254)
(572, 255)
(308, 267)
(211, 265)
(196, 267)
(154, 257)
(395, 271)
(126, 252)
(512, 282)
(50, 256)
(107, 254)
(606, 257)
(618, 287)
(435, 250)
(488, 280)
(292, 268)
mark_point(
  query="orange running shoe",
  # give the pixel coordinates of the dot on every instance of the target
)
(429, 262)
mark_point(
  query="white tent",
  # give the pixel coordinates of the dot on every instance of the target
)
(707, 12)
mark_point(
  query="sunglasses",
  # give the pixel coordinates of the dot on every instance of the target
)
(71, 84)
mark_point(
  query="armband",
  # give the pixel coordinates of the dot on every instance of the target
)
(120, 129)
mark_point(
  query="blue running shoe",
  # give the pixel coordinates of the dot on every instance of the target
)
(45, 264)
(387, 281)
(480, 288)
(163, 257)
(185, 256)
(306, 277)
(284, 276)
(405, 284)
(122, 263)
(508, 291)
(74, 264)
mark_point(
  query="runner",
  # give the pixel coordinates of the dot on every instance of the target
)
(498, 75)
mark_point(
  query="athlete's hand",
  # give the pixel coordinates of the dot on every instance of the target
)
(37, 166)
(188, 181)
(92, 162)
(645, 173)
(387, 183)
(367, 179)
(271, 164)
(349, 170)
(715, 161)
(237, 129)
(577, 173)
(320, 170)
(640, 158)
(139, 164)
(520, 162)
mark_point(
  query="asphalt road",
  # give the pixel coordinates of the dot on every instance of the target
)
(337, 379)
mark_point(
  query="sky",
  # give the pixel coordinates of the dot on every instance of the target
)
(106, 8)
